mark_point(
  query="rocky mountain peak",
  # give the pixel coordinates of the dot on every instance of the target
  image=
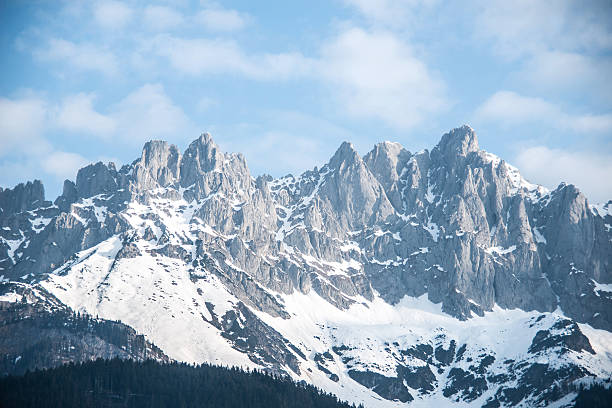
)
(346, 153)
(158, 165)
(458, 142)
(153, 150)
(387, 159)
(205, 138)
(572, 201)
(69, 195)
(202, 155)
(95, 179)
(204, 143)
(390, 249)
(21, 198)
(389, 148)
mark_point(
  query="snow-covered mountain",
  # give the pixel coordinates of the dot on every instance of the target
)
(390, 279)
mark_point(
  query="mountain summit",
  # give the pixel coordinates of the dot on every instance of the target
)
(398, 277)
(458, 142)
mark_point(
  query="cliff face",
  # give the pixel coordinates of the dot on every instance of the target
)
(37, 331)
(193, 243)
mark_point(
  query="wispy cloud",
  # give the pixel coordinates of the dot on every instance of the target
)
(511, 109)
(561, 46)
(273, 145)
(28, 126)
(162, 17)
(63, 165)
(390, 13)
(86, 57)
(149, 113)
(220, 19)
(368, 73)
(112, 14)
(525, 27)
(379, 76)
(21, 123)
(371, 74)
(201, 56)
(570, 72)
(590, 171)
(24, 148)
(76, 114)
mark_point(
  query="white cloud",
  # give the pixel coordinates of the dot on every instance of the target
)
(590, 172)
(389, 12)
(21, 123)
(18, 170)
(205, 56)
(77, 114)
(563, 49)
(25, 150)
(271, 147)
(371, 74)
(63, 165)
(509, 109)
(28, 127)
(162, 17)
(218, 19)
(560, 47)
(553, 67)
(198, 56)
(112, 14)
(574, 72)
(527, 27)
(148, 113)
(378, 76)
(85, 57)
(589, 123)
(279, 148)
(204, 103)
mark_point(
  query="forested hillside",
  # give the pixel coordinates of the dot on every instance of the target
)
(125, 383)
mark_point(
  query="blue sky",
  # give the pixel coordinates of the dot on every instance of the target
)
(286, 82)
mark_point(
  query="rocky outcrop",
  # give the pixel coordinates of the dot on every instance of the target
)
(158, 166)
(387, 387)
(22, 197)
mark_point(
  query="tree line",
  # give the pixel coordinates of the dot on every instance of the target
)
(128, 383)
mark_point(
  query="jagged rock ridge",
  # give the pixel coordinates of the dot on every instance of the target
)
(218, 253)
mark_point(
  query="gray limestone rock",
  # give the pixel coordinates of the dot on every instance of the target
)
(455, 223)
(96, 179)
(389, 388)
(22, 197)
(264, 345)
(69, 196)
(158, 166)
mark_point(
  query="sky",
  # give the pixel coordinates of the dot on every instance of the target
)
(285, 83)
